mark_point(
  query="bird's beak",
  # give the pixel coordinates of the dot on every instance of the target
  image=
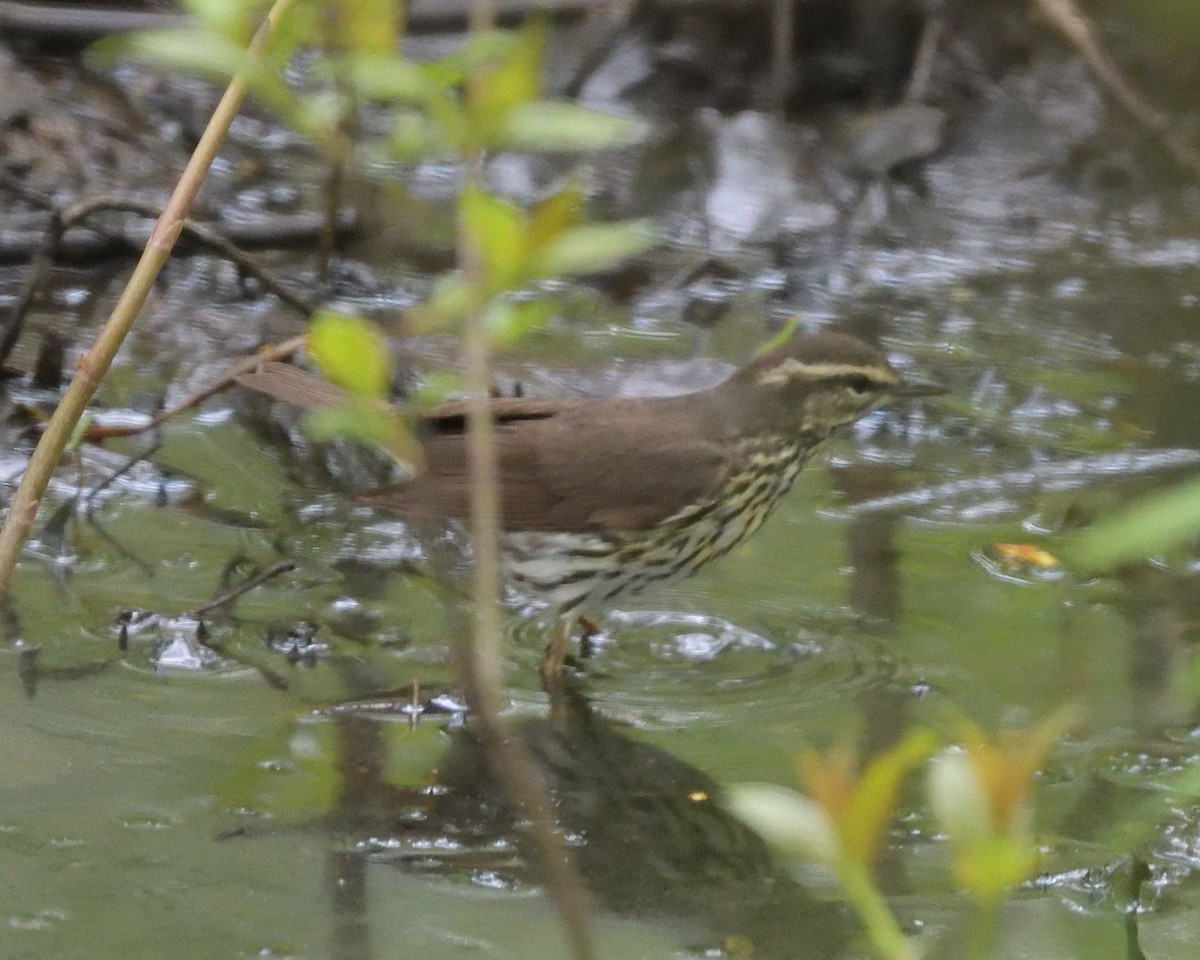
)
(919, 388)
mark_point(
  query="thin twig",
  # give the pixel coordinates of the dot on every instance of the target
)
(95, 363)
(1073, 24)
(90, 499)
(39, 268)
(21, 236)
(280, 351)
(62, 220)
(282, 566)
(783, 38)
(922, 71)
(118, 547)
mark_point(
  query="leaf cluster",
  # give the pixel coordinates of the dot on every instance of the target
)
(335, 57)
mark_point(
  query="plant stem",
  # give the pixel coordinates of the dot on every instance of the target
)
(94, 364)
(887, 939)
(982, 933)
(481, 15)
(511, 761)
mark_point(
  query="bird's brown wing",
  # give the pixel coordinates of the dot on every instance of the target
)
(568, 465)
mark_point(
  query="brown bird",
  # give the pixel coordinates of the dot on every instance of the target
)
(601, 498)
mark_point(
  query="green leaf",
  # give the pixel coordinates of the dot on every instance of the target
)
(782, 337)
(495, 233)
(295, 31)
(551, 216)
(191, 50)
(563, 126)
(451, 301)
(452, 121)
(989, 870)
(508, 323)
(369, 423)
(959, 799)
(481, 49)
(593, 247)
(790, 822)
(235, 20)
(416, 137)
(369, 26)
(1152, 526)
(390, 79)
(351, 353)
(873, 805)
(196, 51)
(437, 388)
(317, 113)
(494, 89)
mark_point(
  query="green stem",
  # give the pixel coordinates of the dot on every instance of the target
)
(982, 934)
(512, 762)
(887, 939)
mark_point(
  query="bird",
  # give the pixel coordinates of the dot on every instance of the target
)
(604, 497)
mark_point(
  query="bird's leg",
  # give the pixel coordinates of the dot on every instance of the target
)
(556, 649)
(590, 629)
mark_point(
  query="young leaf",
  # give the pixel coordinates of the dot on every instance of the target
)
(373, 424)
(390, 79)
(185, 50)
(872, 808)
(416, 137)
(1152, 525)
(794, 824)
(436, 388)
(550, 217)
(783, 336)
(562, 126)
(482, 49)
(508, 323)
(369, 26)
(494, 90)
(234, 20)
(351, 353)
(495, 232)
(200, 52)
(593, 247)
(451, 301)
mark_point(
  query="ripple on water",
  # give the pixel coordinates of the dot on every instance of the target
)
(669, 663)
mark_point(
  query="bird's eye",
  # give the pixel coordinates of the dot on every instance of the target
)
(859, 383)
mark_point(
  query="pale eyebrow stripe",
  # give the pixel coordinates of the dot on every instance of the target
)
(795, 369)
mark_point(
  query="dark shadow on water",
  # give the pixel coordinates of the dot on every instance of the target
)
(648, 832)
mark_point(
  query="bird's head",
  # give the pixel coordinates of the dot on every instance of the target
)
(825, 380)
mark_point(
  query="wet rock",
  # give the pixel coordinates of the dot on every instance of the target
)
(19, 98)
(629, 63)
(1041, 114)
(758, 196)
(1008, 157)
(883, 140)
(691, 50)
(522, 176)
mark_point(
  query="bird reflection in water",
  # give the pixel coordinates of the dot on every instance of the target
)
(651, 839)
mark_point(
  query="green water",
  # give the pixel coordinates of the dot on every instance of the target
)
(198, 810)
